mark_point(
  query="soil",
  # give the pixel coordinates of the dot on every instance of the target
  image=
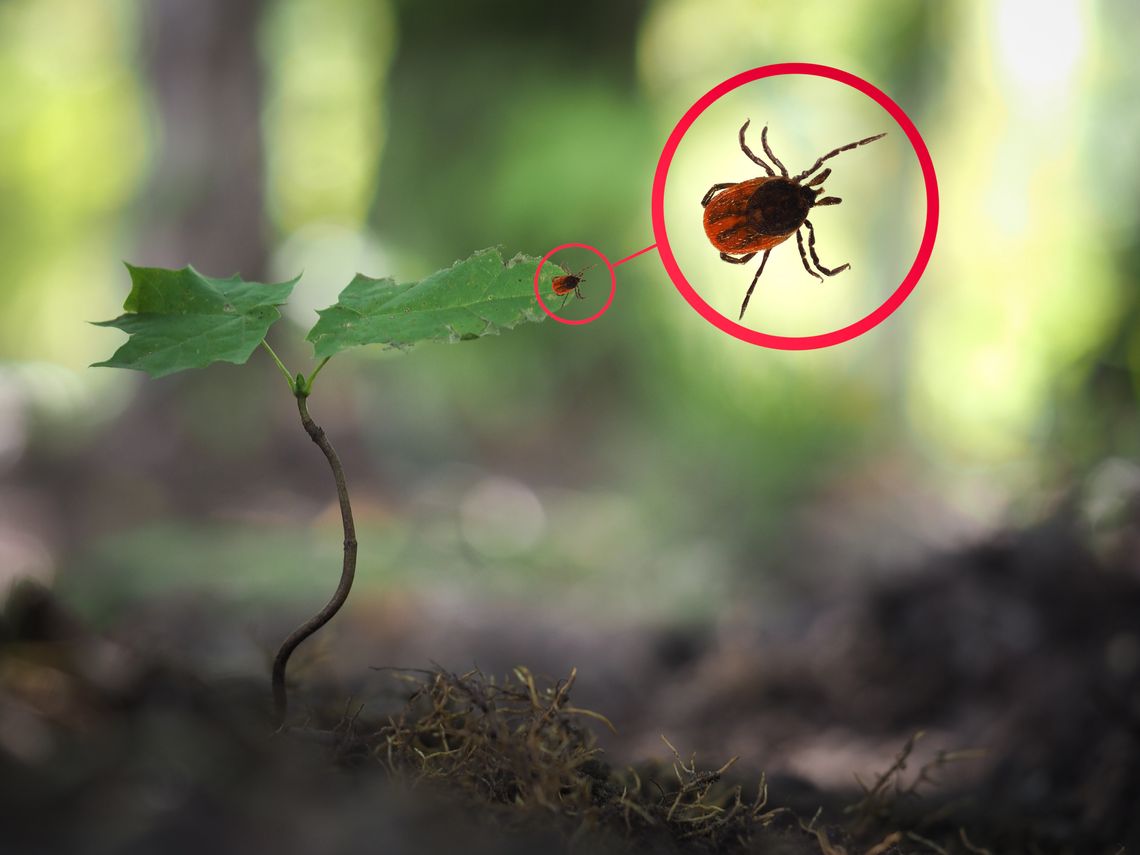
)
(989, 700)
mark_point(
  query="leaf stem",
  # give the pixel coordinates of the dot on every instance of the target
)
(316, 371)
(280, 364)
(348, 568)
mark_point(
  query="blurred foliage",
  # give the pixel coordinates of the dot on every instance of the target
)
(326, 62)
(402, 135)
(73, 151)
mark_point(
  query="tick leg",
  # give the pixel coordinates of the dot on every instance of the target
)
(832, 154)
(803, 255)
(764, 142)
(744, 148)
(716, 188)
(755, 279)
(578, 293)
(744, 259)
(826, 271)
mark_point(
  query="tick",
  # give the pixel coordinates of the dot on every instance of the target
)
(742, 219)
(570, 282)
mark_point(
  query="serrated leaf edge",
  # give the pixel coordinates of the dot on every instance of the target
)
(490, 328)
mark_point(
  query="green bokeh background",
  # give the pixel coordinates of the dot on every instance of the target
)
(642, 467)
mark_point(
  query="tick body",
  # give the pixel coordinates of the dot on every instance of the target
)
(569, 283)
(749, 217)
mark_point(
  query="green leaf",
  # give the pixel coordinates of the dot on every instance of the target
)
(474, 297)
(179, 319)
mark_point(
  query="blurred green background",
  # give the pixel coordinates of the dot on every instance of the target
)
(644, 467)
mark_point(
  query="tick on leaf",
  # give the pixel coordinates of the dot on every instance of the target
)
(569, 282)
(742, 219)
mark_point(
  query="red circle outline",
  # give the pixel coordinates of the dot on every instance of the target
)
(576, 321)
(807, 342)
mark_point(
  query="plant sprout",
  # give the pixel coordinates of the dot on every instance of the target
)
(180, 319)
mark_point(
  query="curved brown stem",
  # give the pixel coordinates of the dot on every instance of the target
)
(347, 573)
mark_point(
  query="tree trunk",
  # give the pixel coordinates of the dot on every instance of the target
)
(205, 205)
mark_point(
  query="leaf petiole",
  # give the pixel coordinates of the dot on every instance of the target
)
(281, 365)
(316, 371)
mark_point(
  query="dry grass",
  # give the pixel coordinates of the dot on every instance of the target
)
(518, 752)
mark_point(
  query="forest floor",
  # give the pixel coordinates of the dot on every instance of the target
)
(988, 702)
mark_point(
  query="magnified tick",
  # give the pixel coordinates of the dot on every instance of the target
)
(753, 216)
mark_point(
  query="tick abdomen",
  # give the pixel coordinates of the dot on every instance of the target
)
(730, 225)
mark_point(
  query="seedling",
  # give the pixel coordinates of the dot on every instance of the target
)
(180, 319)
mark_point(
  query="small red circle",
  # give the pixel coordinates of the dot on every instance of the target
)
(597, 314)
(806, 342)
